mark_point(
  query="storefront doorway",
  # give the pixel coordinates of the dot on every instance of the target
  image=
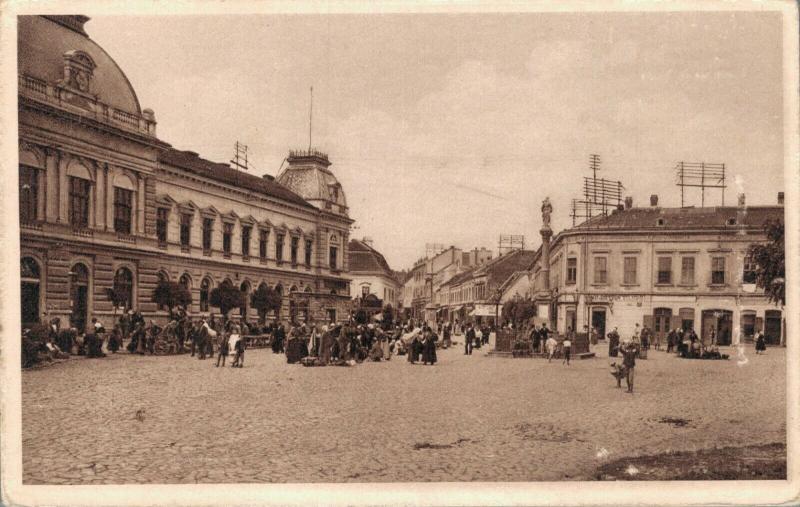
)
(719, 321)
(30, 276)
(772, 327)
(662, 319)
(79, 296)
(599, 321)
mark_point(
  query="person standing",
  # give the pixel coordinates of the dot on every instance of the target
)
(223, 349)
(550, 344)
(567, 345)
(613, 343)
(761, 343)
(629, 352)
(429, 348)
(469, 337)
(446, 335)
(239, 347)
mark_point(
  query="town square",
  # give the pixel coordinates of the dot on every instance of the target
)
(402, 248)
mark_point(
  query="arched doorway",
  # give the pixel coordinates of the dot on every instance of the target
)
(79, 296)
(30, 274)
(123, 287)
(205, 287)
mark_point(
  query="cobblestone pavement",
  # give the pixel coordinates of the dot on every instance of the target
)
(134, 419)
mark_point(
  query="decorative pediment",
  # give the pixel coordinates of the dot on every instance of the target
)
(297, 231)
(165, 200)
(78, 71)
(210, 212)
(248, 220)
(230, 216)
(265, 224)
(188, 207)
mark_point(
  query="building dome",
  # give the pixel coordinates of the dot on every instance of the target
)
(56, 48)
(308, 174)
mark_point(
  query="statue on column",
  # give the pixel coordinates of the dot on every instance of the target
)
(547, 210)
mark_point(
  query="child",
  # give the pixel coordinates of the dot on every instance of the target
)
(550, 345)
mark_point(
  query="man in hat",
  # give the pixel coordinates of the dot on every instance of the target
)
(629, 351)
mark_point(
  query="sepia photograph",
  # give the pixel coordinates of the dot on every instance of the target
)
(425, 253)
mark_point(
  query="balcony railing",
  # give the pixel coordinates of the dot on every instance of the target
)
(126, 238)
(58, 96)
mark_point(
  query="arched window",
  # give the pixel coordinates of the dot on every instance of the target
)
(205, 286)
(163, 277)
(293, 289)
(123, 287)
(79, 295)
(30, 275)
(186, 281)
(262, 285)
(279, 289)
(226, 282)
(308, 288)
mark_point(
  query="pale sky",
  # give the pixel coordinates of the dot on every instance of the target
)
(452, 128)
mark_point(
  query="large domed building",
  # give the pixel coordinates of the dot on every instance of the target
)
(107, 209)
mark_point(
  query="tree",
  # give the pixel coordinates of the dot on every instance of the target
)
(770, 262)
(118, 298)
(361, 317)
(518, 310)
(265, 300)
(171, 294)
(226, 298)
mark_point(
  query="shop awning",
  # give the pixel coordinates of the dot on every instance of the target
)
(484, 311)
(456, 309)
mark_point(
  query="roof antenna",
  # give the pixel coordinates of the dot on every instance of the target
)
(310, 117)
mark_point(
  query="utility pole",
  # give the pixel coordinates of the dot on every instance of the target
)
(240, 156)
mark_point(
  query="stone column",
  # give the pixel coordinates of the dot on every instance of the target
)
(101, 197)
(140, 206)
(52, 191)
(546, 233)
(41, 182)
(63, 191)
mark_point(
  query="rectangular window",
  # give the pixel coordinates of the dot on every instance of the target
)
(208, 229)
(664, 270)
(246, 229)
(364, 291)
(572, 270)
(332, 257)
(263, 235)
(227, 234)
(630, 265)
(749, 273)
(279, 247)
(718, 270)
(600, 270)
(687, 271)
(294, 246)
(309, 249)
(28, 194)
(79, 202)
(186, 229)
(162, 218)
(123, 204)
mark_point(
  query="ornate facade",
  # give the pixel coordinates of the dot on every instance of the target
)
(105, 204)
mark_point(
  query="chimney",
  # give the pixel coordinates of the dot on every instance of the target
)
(654, 200)
(741, 200)
(367, 241)
(780, 198)
(628, 202)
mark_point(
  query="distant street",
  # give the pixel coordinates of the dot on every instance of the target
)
(134, 419)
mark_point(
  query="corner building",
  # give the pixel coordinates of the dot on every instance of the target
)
(666, 268)
(106, 205)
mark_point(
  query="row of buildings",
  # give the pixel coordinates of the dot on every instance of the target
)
(665, 268)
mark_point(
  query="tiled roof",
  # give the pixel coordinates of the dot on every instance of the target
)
(684, 218)
(364, 258)
(504, 266)
(223, 173)
(459, 278)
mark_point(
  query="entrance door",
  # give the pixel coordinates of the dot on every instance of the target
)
(332, 315)
(30, 275)
(599, 322)
(79, 292)
(662, 319)
(721, 323)
(772, 327)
